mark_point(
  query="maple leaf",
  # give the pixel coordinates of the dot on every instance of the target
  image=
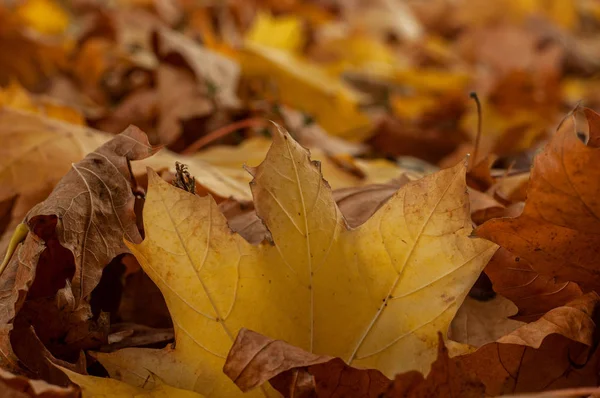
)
(534, 294)
(558, 231)
(390, 284)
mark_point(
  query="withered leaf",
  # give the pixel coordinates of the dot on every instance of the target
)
(558, 231)
(15, 386)
(446, 379)
(255, 359)
(93, 206)
(551, 353)
(534, 294)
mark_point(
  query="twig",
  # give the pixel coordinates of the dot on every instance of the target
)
(224, 131)
(478, 137)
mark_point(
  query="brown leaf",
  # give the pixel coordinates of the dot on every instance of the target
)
(13, 386)
(397, 138)
(255, 359)
(38, 361)
(359, 203)
(484, 207)
(480, 176)
(534, 294)
(480, 322)
(76, 232)
(192, 82)
(447, 379)
(8, 359)
(558, 231)
(93, 206)
(543, 355)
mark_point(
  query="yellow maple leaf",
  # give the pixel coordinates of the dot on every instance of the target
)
(375, 296)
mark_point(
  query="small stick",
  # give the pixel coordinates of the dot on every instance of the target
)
(222, 132)
(478, 137)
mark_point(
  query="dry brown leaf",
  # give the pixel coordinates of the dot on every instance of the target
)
(481, 322)
(534, 294)
(75, 233)
(446, 379)
(8, 359)
(13, 386)
(484, 207)
(558, 231)
(358, 204)
(543, 355)
(93, 205)
(255, 359)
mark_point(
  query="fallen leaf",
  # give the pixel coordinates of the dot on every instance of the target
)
(38, 57)
(44, 16)
(92, 386)
(284, 32)
(558, 231)
(447, 378)
(255, 359)
(21, 387)
(93, 205)
(306, 87)
(214, 72)
(542, 355)
(534, 294)
(299, 301)
(38, 151)
(480, 322)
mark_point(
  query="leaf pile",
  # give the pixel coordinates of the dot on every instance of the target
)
(261, 198)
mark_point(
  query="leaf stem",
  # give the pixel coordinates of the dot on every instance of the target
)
(474, 96)
(224, 131)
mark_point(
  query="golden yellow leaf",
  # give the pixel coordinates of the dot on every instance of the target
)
(97, 387)
(44, 16)
(284, 32)
(376, 296)
(252, 151)
(307, 87)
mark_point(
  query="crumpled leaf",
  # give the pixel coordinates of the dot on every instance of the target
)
(397, 308)
(558, 231)
(254, 359)
(480, 322)
(93, 205)
(557, 351)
